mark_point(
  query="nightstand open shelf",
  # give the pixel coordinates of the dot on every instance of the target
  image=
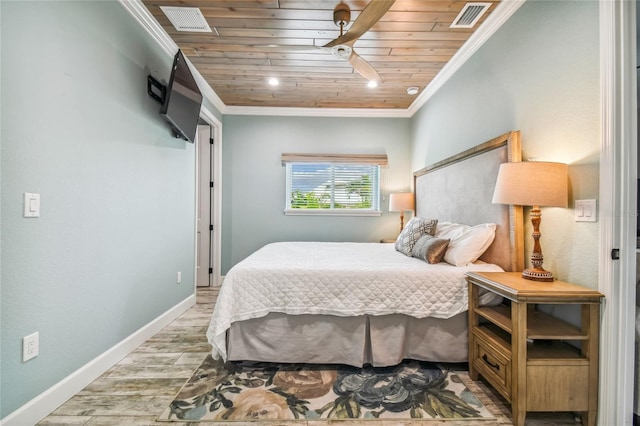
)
(524, 353)
(536, 349)
(540, 326)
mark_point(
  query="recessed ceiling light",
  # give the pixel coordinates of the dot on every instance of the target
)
(412, 90)
(273, 81)
(372, 83)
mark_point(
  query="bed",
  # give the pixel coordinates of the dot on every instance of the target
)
(368, 303)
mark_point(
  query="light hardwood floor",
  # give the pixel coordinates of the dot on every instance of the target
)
(136, 390)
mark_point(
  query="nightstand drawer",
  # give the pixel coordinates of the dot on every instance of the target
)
(493, 362)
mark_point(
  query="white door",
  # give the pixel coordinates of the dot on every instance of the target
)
(205, 189)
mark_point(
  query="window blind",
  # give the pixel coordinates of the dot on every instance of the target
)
(337, 186)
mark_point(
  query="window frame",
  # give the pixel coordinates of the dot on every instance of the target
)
(333, 160)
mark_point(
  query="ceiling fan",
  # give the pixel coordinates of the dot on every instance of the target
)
(342, 47)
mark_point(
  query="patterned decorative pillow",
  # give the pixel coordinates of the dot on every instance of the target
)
(430, 249)
(413, 230)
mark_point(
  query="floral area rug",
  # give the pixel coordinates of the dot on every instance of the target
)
(243, 391)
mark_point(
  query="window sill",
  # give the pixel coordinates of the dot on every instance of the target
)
(326, 212)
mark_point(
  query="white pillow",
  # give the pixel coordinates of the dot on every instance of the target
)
(467, 243)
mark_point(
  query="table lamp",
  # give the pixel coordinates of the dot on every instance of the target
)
(537, 184)
(401, 202)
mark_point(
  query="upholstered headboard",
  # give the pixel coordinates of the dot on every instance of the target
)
(460, 188)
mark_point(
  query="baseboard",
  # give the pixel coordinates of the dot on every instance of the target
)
(40, 406)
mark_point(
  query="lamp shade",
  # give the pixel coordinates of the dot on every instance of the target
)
(401, 202)
(532, 183)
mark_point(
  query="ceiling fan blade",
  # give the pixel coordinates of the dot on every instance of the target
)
(363, 67)
(367, 19)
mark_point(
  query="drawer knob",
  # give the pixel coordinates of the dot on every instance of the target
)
(486, 359)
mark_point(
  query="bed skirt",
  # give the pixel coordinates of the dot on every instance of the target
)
(324, 339)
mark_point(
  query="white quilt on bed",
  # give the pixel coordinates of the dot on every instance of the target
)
(343, 279)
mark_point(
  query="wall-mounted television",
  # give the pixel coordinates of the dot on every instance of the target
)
(182, 101)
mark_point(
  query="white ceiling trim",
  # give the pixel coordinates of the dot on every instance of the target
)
(149, 23)
(499, 16)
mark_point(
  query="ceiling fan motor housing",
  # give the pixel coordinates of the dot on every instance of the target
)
(342, 15)
(342, 51)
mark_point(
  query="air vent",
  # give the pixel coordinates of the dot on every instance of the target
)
(469, 15)
(187, 19)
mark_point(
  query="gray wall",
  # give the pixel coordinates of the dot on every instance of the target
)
(539, 74)
(254, 179)
(117, 190)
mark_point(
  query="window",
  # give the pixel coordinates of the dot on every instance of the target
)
(333, 184)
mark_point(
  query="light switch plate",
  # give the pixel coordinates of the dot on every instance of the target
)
(585, 211)
(31, 205)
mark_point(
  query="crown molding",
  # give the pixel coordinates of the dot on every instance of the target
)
(498, 17)
(149, 23)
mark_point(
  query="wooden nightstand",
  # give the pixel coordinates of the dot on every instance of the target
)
(522, 352)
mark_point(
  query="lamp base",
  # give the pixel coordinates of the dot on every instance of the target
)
(537, 274)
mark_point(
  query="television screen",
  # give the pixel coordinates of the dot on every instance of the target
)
(181, 107)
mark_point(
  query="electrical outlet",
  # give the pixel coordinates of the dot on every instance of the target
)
(179, 277)
(30, 346)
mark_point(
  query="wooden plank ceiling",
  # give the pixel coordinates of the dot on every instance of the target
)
(254, 40)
